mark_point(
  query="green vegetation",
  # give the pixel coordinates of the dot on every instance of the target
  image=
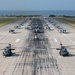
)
(7, 20)
(68, 20)
(4, 20)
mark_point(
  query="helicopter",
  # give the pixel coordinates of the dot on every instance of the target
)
(61, 30)
(11, 31)
(64, 49)
(17, 27)
(7, 51)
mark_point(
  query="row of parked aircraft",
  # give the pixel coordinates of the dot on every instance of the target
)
(37, 27)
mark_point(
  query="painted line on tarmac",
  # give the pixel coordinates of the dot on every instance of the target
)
(4, 38)
(17, 40)
(69, 39)
(55, 40)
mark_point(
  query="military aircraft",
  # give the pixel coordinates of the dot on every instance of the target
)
(61, 30)
(63, 51)
(16, 27)
(11, 31)
(7, 50)
(38, 31)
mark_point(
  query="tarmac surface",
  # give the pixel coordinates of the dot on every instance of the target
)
(37, 57)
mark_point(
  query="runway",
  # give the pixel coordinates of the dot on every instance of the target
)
(32, 57)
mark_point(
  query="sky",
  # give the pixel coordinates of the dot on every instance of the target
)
(37, 4)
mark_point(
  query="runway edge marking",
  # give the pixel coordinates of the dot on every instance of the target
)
(69, 39)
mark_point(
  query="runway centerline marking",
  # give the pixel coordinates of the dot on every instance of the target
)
(17, 40)
(69, 39)
(55, 40)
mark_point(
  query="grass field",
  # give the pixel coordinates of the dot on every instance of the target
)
(7, 20)
(69, 21)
